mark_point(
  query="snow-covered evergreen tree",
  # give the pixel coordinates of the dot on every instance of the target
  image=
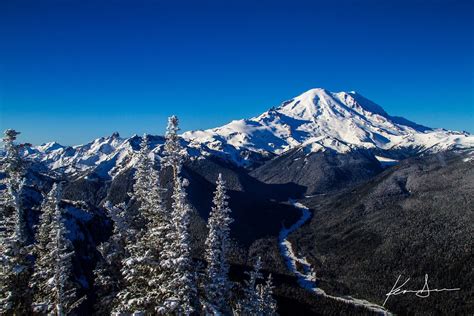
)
(173, 151)
(267, 303)
(217, 244)
(184, 285)
(145, 178)
(14, 169)
(55, 293)
(250, 304)
(258, 298)
(43, 240)
(108, 278)
(15, 268)
(149, 270)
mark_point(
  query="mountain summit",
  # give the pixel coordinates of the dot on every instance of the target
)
(315, 121)
(320, 120)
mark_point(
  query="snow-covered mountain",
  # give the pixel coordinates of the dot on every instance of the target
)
(319, 120)
(106, 156)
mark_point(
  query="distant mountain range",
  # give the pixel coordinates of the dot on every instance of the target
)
(315, 121)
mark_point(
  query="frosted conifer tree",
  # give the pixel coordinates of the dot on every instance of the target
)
(149, 270)
(173, 152)
(267, 303)
(43, 235)
(217, 244)
(250, 304)
(12, 210)
(55, 293)
(145, 178)
(15, 268)
(183, 286)
(108, 278)
(258, 298)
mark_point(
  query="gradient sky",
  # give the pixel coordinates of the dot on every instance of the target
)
(74, 70)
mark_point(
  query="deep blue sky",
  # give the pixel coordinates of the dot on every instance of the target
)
(74, 70)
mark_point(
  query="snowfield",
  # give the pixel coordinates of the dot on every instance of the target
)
(322, 120)
(386, 162)
(317, 120)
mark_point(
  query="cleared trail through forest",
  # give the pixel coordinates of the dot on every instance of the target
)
(305, 273)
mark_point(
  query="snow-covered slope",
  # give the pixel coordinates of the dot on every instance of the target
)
(322, 120)
(106, 156)
(317, 120)
(105, 153)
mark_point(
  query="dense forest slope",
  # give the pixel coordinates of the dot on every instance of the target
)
(413, 219)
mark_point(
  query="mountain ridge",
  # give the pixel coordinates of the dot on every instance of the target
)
(316, 120)
(324, 120)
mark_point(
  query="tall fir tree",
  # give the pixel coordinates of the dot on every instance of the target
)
(258, 298)
(217, 246)
(149, 269)
(267, 303)
(43, 240)
(250, 304)
(120, 274)
(173, 151)
(184, 285)
(55, 293)
(108, 278)
(15, 268)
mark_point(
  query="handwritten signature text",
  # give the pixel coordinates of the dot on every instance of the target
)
(424, 292)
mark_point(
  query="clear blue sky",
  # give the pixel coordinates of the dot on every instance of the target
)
(74, 70)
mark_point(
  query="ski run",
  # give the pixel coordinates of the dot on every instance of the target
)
(306, 275)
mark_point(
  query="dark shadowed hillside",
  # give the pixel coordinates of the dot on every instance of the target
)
(413, 219)
(257, 207)
(319, 172)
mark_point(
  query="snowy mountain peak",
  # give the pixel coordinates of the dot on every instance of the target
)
(316, 120)
(322, 120)
(51, 146)
(316, 102)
